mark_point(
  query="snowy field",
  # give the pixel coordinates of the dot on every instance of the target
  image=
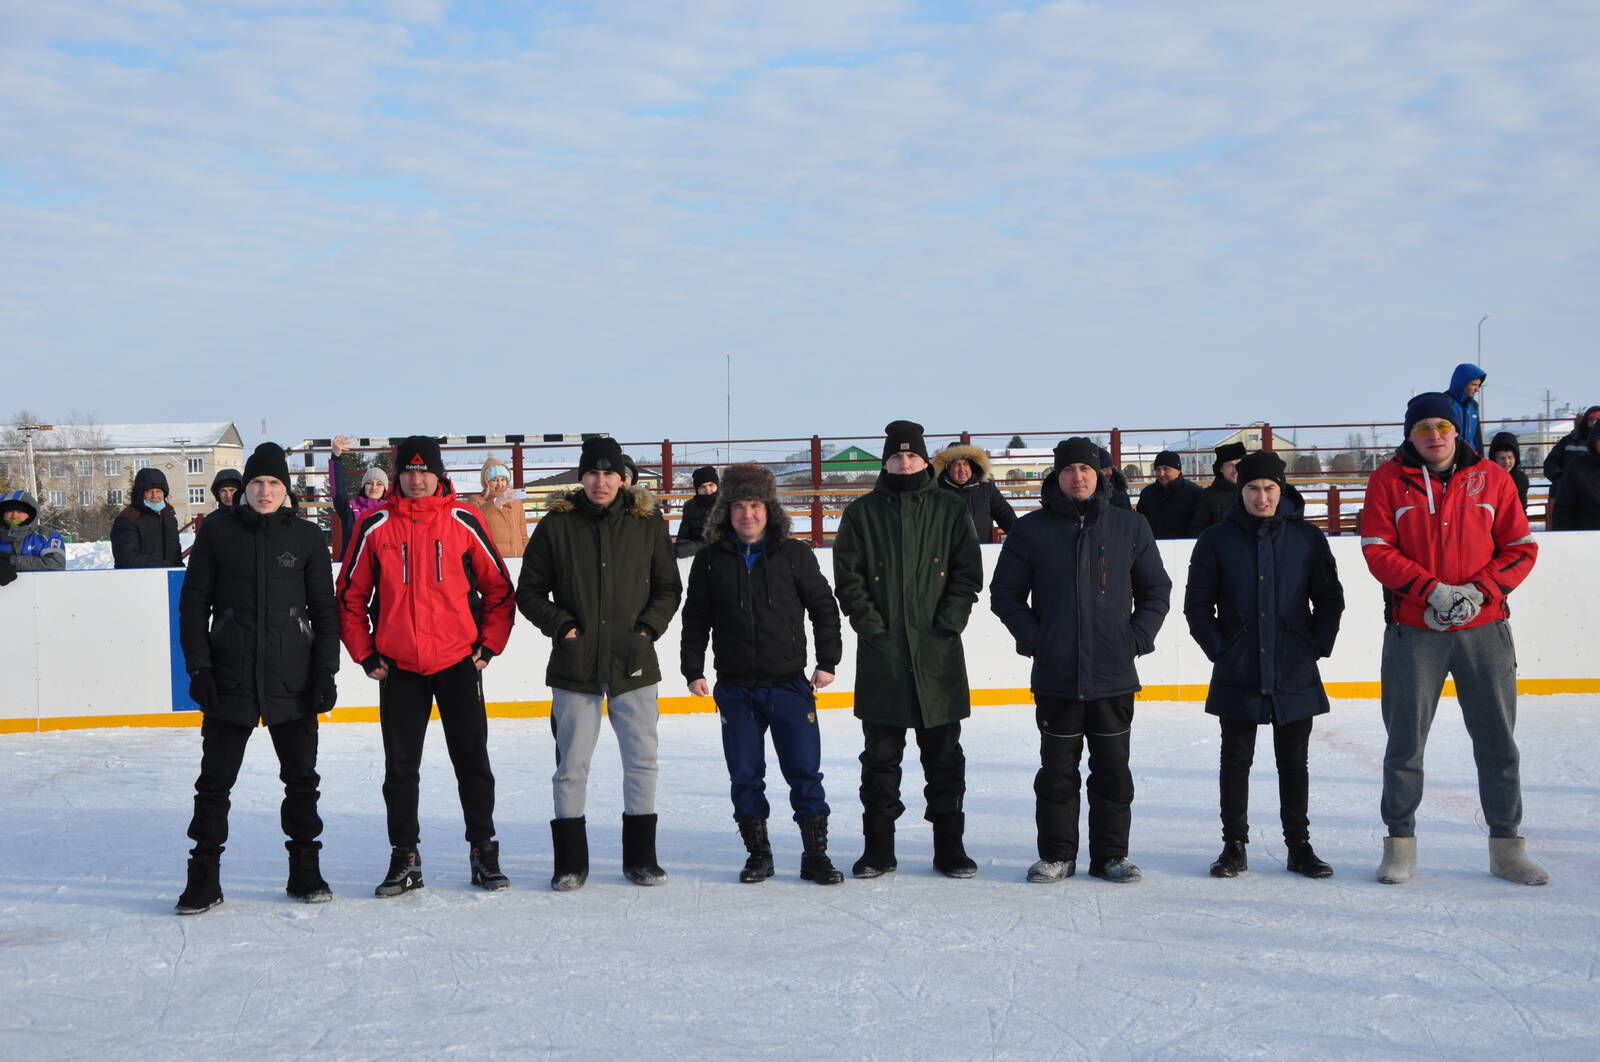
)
(1455, 965)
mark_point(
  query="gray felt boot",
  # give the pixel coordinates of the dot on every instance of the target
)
(1399, 860)
(1508, 858)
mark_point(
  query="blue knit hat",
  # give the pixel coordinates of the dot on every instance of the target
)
(1427, 406)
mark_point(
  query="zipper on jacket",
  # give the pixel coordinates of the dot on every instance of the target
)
(1105, 574)
(438, 560)
(405, 563)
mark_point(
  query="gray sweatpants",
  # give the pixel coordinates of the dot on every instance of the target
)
(575, 721)
(1483, 661)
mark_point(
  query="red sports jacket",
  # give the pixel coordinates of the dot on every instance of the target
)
(1418, 531)
(425, 558)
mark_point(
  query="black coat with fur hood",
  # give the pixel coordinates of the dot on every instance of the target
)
(609, 575)
(983, 499)
(754, 613)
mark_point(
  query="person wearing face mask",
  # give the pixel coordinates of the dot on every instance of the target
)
(1573, 444)
(1081, 587)
(374, 489)
(145, 534)
(1443, 533)
(692, 525)
(260, 638)
(502, 509)
(25, 544)
(907, 570)
(1215, 500)
(1575, 502)
(225, 488)
(1263, 602)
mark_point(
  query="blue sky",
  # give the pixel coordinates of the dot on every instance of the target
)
(470, 216)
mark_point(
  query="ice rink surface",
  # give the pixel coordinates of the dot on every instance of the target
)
(1455, 965)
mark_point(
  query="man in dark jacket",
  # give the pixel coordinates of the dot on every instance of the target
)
(750, 591)
(1576, 505)
(600, 581)
(1081, 587)
(145, 534)
(25, 544)
(1113, 482)
(964, 471)
(1216, 499)
(692, 526)
(1169, 502)
(1574, 444)
(906, 570)
(1505, 450)
(1263, 603)
(260, 637)
(225, 488)
(425, 603)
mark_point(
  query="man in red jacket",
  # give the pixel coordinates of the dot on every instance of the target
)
(425, 602)
(1444, 532)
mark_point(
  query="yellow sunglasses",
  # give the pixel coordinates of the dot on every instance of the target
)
(1442, 428)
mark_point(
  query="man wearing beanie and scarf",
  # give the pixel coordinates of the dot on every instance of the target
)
(750, 591)
(1443, 531)
(907, 569)
(425, 603)
(1081, 587)
(1169, 503)
(1215, 500)
(260, 636)
(600, 581)
(1263, 603)
(692, 527)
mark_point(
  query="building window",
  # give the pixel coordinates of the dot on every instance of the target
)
(141, 463)
(85, 467)
(58, 469)
(85, 498)
(197, 466)
(113, 466)
(58, 499)
(113, 497)
(197, 495)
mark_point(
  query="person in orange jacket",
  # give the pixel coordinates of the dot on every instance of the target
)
(425, 603)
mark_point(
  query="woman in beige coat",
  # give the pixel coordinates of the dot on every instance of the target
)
(502, 509)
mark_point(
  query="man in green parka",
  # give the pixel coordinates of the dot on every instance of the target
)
(599, 579)
(906, 570)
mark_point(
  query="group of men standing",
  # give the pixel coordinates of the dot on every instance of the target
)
(424, 603)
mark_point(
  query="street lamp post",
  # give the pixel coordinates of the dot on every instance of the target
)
(1479, 363)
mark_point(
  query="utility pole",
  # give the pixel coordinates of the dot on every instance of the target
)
(729, 426)
(183, 471)
(27, 431)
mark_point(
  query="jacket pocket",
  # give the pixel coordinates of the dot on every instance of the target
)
(227, 651)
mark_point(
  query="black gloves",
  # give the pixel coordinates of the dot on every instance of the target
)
(374, 662)
(485, 653)
(203, 689)
(324, 693)
(8, 574)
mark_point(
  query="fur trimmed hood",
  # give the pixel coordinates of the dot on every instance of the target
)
(746, 482)
(971, 454)
(642, 501)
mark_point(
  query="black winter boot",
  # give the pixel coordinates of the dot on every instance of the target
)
(405, 872)
(759, 866)
(815, 864)
(204, 889)
(1231, 861)
(639, 851)
(570, 838)
(949, 855)
(305, 874)
(1303, 860)
(485, 860)
(1118, 871)
(878, 857)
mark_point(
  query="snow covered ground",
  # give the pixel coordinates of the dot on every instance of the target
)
(1455, 965)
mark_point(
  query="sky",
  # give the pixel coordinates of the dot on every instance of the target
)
(393, 216)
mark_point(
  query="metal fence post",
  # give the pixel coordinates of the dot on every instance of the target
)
(1266, 436)
(816, 489)
(666, 469)
(1335, 523)
(1116, 448)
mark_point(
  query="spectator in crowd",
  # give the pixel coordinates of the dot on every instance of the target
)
(225, 488)
(26, 545)
(964, 471)
(1215, 500)
(1113, 481)
(1263, 603)
(260, 638)
(1465, 383)
(692, 525)
(1081, 587)
(1573, 444)
(1577, 494)
(351, 510)
(1506, 451)
(630, 481)
(502, 509)
(1169, 503)
(906, 570)
(425, 604)
(1441, 530)
(750, 591)
(145, 534)
(600, 581)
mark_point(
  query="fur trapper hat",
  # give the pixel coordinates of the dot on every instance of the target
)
(746, 482)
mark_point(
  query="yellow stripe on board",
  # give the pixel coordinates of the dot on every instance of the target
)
(688, 705)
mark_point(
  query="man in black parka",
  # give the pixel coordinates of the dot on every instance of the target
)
(1169, 502)
(1082, 589)
(692, 526)
(260, 635)
(1216, 499)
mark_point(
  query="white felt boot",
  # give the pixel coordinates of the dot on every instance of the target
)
(1508, 858)
(1399, 860)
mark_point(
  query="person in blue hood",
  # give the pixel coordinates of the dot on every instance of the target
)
(1465, 383)
(26, 545)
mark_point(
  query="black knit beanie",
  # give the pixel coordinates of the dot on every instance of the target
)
(1169, 459)
(1430, 405)
(268, 460)
(1076, 451)
(703, 475)
(1229, 452)
(601, 454)
(903, 436)
(419, 453)
(1263, 464)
